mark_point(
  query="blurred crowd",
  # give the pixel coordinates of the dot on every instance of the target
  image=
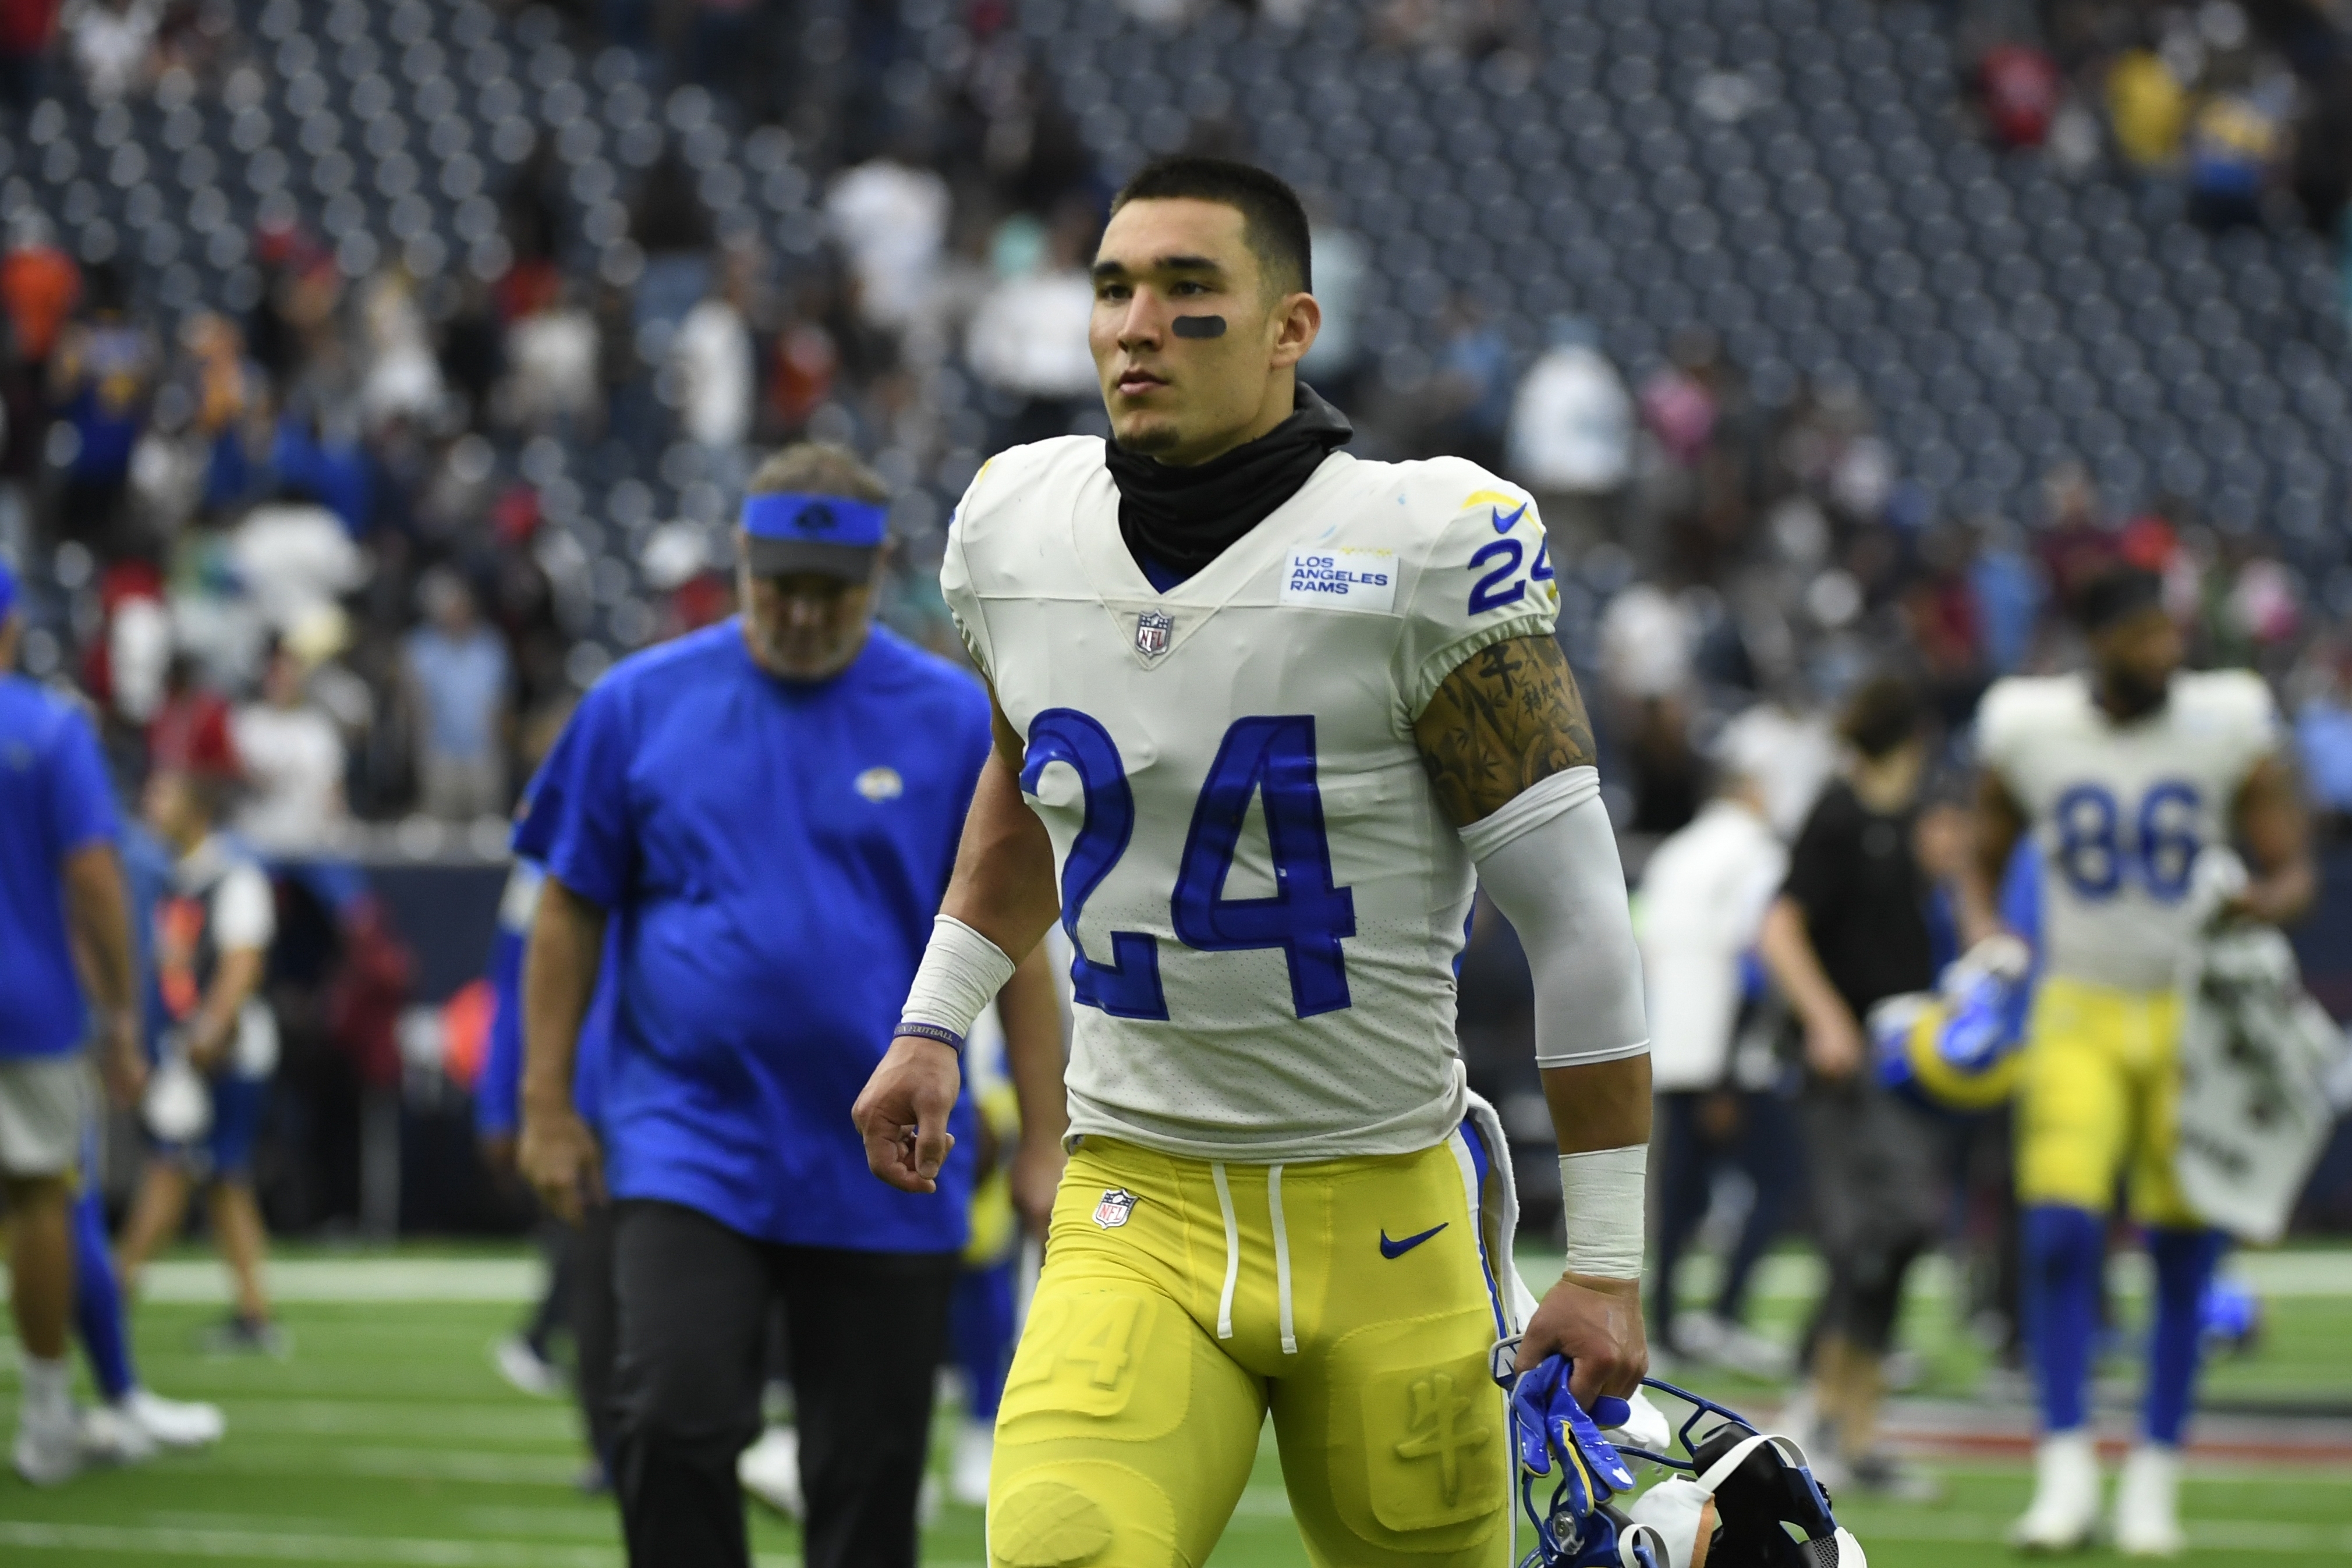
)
(2248, 106)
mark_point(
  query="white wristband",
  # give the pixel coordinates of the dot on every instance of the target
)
(1605, 1191)
(961, 973)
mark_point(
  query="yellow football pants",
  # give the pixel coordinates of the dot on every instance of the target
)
(2099, 1100)
(1181, 1300)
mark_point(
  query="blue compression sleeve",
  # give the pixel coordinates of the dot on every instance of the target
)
(97, 1301)
(2185, 1261)
(2065, 1251)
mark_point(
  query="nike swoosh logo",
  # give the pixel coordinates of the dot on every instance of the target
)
(1503, 524)
(1399, 1249)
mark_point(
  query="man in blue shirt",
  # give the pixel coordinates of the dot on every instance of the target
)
(766, 812)
(62, 914)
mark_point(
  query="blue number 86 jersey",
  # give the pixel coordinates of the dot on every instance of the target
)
(2120, 811)
(1265, 896)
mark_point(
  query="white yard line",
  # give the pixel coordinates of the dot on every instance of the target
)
(276, 1546)
(2233, 1534)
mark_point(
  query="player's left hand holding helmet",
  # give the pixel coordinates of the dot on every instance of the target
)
(1742, 1498)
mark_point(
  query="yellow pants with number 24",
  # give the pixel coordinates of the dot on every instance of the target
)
(1182, 1301)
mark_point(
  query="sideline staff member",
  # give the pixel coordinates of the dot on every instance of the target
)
(61, 899)
(768, 810)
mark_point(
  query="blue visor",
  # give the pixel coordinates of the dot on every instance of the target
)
(815, 519)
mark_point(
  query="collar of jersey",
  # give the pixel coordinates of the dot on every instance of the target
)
(1125, 591)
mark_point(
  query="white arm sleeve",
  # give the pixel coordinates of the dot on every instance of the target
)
(1549, 860)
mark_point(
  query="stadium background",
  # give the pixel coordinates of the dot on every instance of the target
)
(1918, 309)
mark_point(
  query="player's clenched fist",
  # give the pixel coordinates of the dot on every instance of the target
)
(903, 1113)
(1597, 1324)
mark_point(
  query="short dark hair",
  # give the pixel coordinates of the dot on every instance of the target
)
(1880, 714)
(818, 468)
(2114, 595)
(1273, 220)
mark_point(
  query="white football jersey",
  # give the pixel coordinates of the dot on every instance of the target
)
(1266, 899)
(2122, 809)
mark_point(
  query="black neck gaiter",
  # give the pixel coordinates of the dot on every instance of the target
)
(1183, 518)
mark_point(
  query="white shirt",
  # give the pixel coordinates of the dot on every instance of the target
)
(2123, 809)
(713, 351)
(1572, 423)
(1029, 336)
(293, 758)
(1266, 896)
(893, 222)
(1704, 895)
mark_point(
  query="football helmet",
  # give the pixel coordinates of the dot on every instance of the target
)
(1955, 1048)
(1738, 1498)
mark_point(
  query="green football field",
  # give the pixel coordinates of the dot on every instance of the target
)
(386, 1438)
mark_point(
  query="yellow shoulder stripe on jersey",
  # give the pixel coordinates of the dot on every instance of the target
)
(1489, 499)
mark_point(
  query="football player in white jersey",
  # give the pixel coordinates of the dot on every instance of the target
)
(2136, 778)
(1261, 710)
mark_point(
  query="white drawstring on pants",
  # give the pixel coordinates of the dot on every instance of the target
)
(1234, 1255)
(1281, 1260)
(1233, 1251)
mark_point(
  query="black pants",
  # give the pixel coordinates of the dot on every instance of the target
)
(1699, 1133)
(867, 1331)
(1878, 1203)
(595, 1313)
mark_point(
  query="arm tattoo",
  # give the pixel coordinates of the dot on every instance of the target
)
(1507, 717)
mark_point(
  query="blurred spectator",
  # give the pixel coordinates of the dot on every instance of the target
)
(672, 227)
(190, 732)
(553, 359)
(891, 220)
(1571, 434)
(2147, 108)
(1028, 335)
(27, 27)
(1849, 930)
(2009, 595)
(292, 755)
(402, 378)
(112, 42)
(101, 378)
(2019, 89)
(40, 284)
(1341, 266)
(2234, 137)
(293, 555)
(458, 681)
(1703, 897)
(712, 356)
(1471, 408)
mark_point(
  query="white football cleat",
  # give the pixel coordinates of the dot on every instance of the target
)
(2147, 1504)
(770, 1470)
(174, 1423)
(109, 1437)
(968, 1472)
(2064, 1512)
(49, 1446)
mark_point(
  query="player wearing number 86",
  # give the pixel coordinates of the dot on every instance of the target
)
(2129, 777)
(1266, 715)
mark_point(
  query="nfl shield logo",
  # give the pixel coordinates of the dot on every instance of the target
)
(1151, 630)
(1116, 1205)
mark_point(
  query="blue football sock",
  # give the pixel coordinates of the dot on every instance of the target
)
(97, 1301)
(2065, 1251)
(2185, 1261)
